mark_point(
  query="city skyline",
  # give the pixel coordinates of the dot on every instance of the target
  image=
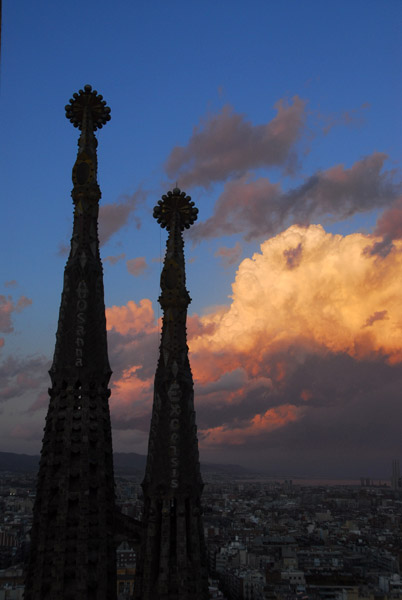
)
(282, 124)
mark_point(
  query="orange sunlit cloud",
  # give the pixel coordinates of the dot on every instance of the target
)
(307, 292)
(258, 425)
(132, 317)
(326, 300)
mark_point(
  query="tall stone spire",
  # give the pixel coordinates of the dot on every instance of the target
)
(72, 547)
(172, 561)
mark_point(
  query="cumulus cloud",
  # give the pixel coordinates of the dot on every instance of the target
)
(301, 347)
(258, 208)
(230, 256)
(136, 266)
(133, 339)
(113, 216)
(7, 308)
(322, 302)
(226, 145)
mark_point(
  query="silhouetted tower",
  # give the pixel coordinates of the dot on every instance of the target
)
(172, 561)
(72, 546)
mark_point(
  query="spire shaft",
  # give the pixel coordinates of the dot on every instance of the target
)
(72, 539)
(172, 562)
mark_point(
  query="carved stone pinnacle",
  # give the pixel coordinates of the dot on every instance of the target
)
(175, 204)
(88, 99)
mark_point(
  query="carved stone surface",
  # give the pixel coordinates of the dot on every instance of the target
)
(172, 562)
(72, 538)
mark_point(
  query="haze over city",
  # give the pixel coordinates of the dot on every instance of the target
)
(282, 121)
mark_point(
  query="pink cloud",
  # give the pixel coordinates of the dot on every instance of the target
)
(114, 216)
(258, 208)
(230, 256)
(136, 266)
(390, 222)
(12, 283)
(112, 260)
(226, 145)
(7, 307)
(350, 118)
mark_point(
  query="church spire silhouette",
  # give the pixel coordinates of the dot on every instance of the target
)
(172, 561)
(72, 553)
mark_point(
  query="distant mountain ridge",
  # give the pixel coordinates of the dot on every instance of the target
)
(129, 463)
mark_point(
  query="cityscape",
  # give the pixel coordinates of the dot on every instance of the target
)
(266, 539)
(241, 442)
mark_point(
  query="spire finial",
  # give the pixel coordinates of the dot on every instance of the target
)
(88, 100)
(175, 203)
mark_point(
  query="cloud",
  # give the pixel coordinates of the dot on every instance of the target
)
(258, 208)
(136, 266)
(293, 255)
(112, 260)
(112, 217)
(63, 249)
(12, 283)
(390, 222)
(133, 340)
(349, 118)
(305, 364)
(260, 424)
(20, 376)
(379, 315)
(230, 256)
(323, 302)
(225, 145)
(389, 227)
(7, 308)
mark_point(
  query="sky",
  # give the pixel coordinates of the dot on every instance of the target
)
(282, 121)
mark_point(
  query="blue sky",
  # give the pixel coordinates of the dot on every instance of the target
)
(168, 71)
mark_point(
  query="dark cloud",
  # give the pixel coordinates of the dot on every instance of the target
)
(389, 228)
(258, 208)
(380, 248)
(377, 316)
(114, 216)
(227, 145)
(20, 376)
(348, 428)
(293, 256)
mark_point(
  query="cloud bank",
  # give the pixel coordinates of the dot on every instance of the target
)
(225, 145)
(257, 208)
(310, 348)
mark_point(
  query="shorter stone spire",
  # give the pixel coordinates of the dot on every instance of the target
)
(172, 563)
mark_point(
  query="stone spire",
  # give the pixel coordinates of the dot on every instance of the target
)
(172, 561)
(72, 547)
